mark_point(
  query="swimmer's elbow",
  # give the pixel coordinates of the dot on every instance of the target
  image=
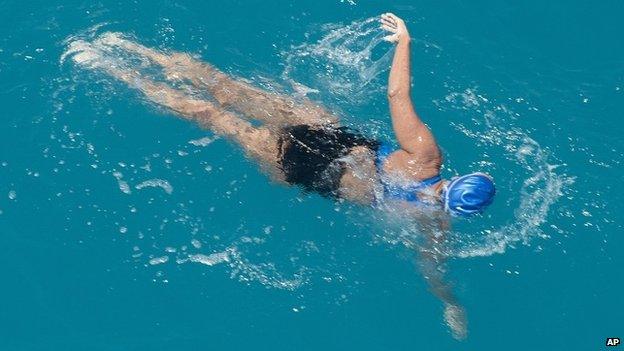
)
(395, 93)
(392, 93)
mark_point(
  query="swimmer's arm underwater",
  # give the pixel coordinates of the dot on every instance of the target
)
(431, 262)
(412, 134)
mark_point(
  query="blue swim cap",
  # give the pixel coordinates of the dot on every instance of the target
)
(469, 194)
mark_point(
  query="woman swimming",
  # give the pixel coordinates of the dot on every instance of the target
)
(301, 143)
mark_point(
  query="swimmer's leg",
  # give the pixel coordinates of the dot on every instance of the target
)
(258, 142)
(270, 108)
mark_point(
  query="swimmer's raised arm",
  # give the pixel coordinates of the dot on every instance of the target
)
(412, 134)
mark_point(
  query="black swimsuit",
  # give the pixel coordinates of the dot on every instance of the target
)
(310, 155)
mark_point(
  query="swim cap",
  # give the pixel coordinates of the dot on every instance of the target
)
(469, 194)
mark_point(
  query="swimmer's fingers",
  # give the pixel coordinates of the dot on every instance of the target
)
(392, 28)
(388, 21)
(389, 17)
(393, 24)
(394, 18)
(388, 28)
(388, 24)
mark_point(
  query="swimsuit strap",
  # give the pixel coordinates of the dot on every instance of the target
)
(429, 181)
(406, 192)
(383, 152)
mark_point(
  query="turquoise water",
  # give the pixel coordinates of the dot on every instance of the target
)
(126, 229)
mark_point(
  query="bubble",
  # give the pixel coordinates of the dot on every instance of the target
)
(158, 260)
(196, 243)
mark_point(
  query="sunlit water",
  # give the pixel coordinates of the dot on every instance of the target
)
(126, 228)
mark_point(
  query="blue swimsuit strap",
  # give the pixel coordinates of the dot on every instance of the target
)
(407, 192)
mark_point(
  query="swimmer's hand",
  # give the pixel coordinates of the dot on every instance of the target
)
(396, 26)
(455, 318)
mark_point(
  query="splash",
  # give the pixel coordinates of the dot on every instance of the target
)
(243, 270)
(343, 64)
(540, 188)
(535, 186)
(112, 53)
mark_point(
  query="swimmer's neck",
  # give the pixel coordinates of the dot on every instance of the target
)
(434, 192)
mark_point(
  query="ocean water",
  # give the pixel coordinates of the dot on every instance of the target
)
(124, 228)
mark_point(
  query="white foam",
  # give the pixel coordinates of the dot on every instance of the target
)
(210, 260)
(155, 183)
(205, 141)
(196, 243)
(264, 273)
(123, 185)
(158, 260)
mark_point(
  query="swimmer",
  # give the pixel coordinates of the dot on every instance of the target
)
(299, 142)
